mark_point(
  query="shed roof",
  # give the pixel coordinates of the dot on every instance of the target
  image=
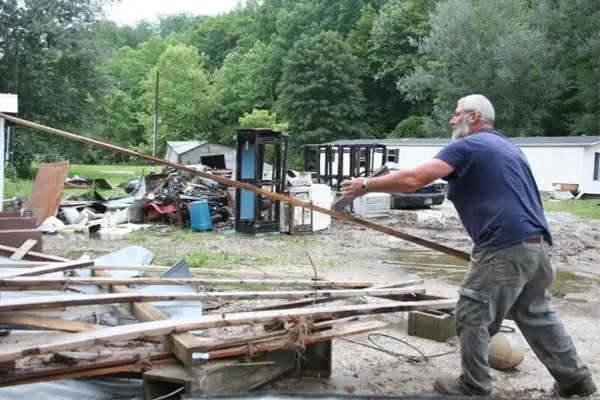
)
(184, 147)
(530, 141)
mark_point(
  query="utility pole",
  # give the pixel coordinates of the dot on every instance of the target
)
(155, 122)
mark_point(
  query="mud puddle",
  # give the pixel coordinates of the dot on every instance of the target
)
(432, 265)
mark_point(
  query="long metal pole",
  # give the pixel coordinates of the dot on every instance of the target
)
(246, 186)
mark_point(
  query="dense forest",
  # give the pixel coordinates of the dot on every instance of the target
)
(320, 69)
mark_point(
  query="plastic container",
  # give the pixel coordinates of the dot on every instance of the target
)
(200, 216)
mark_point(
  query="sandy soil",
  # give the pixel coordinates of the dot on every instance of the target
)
(346, 251)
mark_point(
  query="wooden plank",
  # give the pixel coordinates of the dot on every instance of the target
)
(235, 341)
(165, 327)
(41, 257)
(18, 223)
(25, 283)
(193, 271)
(10, 214)
(333, 333)
(7, 250)
(40, 322)
(321, 300)
(65, 266)
(180, 344)
(41, 302)
(15, 238)
(246, 186)
(24, 249)
(46, 191)
(88, 370)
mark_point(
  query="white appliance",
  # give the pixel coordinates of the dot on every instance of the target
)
(372, 205)
(303, 219)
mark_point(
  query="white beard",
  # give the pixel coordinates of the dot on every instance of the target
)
(460, 131)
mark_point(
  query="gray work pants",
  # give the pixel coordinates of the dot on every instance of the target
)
(512, 280)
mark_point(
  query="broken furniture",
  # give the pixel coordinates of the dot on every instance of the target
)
(256, 214)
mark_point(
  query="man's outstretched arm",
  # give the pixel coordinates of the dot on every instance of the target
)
(400, 181)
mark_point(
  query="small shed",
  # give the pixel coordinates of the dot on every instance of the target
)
(201, 152)
(570, 162)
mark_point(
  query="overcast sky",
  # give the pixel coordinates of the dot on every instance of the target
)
(131, 11)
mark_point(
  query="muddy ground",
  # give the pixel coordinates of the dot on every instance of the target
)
(346, 251)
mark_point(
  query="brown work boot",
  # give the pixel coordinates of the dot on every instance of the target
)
(450, 386)
(583, 388)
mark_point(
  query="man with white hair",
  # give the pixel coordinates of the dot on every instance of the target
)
(497, 199)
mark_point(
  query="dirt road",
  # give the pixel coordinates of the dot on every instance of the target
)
(345, 251)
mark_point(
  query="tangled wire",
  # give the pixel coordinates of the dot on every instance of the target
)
(421, 359)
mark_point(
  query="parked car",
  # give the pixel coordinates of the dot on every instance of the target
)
(433, 194)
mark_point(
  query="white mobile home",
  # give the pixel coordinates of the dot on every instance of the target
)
(571, 161)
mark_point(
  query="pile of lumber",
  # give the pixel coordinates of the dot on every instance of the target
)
(305, 314)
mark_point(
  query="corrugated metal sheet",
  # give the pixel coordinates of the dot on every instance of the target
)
(184, 147)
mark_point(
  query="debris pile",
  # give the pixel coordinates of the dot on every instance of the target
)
(158, 198)
(68, 319)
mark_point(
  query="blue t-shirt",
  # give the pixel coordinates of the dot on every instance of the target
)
(494, 191)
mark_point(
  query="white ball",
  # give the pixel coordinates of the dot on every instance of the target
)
(507, 350)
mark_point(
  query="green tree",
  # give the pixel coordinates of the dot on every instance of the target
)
(262, 119)
(51, 59)
(186, 99)
(479, 47)
(319, 93)
(409, 127)
(243, 83)
(130, 66)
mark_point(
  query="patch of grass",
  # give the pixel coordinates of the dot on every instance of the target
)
(116, 175)
(291, 239)
(225, 259)
(108, 172)
(164, 261)
(17, 188)
(589, 209)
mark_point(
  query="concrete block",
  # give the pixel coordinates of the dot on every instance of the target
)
(218, 377)
(431, 324)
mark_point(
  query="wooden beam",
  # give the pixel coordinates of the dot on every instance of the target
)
(40, 322)
(193, 271)
(321, 300)
(41, 302)
(333, 333)
(26, 283)
(8, 250)
(245, 340)
(87, 370)
(65, 266)
(246, 186)
(155, 328)
(180, 344)
(25, 247)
